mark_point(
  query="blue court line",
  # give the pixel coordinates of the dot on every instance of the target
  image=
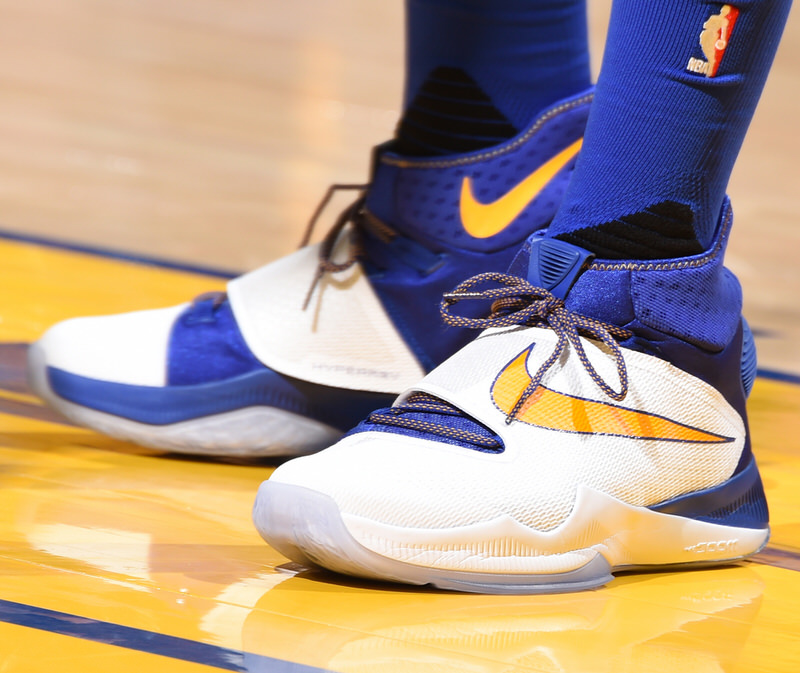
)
(151, 642)
(788, 559)
(110, 253)
(774, 375)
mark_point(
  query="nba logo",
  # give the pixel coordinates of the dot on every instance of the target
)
(714, 40)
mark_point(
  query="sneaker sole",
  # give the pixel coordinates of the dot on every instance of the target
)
(258, 431)
(313, 532)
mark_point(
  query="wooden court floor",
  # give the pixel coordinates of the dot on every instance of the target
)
(198, 134)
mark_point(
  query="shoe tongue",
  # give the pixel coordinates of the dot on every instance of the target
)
(550, 264)
(425, 416)
(382, 182)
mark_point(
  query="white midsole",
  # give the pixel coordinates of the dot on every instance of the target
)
(625, 535)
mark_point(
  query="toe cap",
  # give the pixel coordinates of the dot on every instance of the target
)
(126, 348)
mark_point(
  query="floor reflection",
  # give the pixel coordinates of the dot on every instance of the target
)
(690, 622)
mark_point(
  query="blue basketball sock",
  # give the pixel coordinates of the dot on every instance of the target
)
(679, 85)
(478, 71)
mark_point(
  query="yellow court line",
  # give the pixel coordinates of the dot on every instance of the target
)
(26, 398)
(41, 286)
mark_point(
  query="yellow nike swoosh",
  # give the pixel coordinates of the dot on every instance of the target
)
(552, 410)
(482, 220)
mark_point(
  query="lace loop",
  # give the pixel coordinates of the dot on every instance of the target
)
(217, 298)
(517, 302)
(352, 214)
(321, 208)
(422, 402)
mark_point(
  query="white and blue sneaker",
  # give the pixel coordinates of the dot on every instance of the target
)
(598, 424)
(297, 352)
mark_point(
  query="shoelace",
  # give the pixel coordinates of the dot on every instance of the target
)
(354, 214)
(517, 302)
(217, 298)
(423, 403)
(514, 302)
(200, 312)
(360, 219)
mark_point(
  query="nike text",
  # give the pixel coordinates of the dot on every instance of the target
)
(712, 547)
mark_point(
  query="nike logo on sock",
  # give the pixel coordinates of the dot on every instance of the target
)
(482, 220)
(549, 409)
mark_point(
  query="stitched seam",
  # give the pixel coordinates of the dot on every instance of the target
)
(547, 116)
(673, 265)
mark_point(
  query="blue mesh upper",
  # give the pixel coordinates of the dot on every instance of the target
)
(701, 305)
(419, 199)
(207, 345)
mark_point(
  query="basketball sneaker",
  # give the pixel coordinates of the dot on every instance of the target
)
(597, 424)
(298, 351)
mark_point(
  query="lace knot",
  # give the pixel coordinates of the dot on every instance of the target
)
(514, 301)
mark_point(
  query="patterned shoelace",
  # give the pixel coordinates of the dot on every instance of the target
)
(406, 415)
(360, 220)
(356, 215)
(514, 302)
